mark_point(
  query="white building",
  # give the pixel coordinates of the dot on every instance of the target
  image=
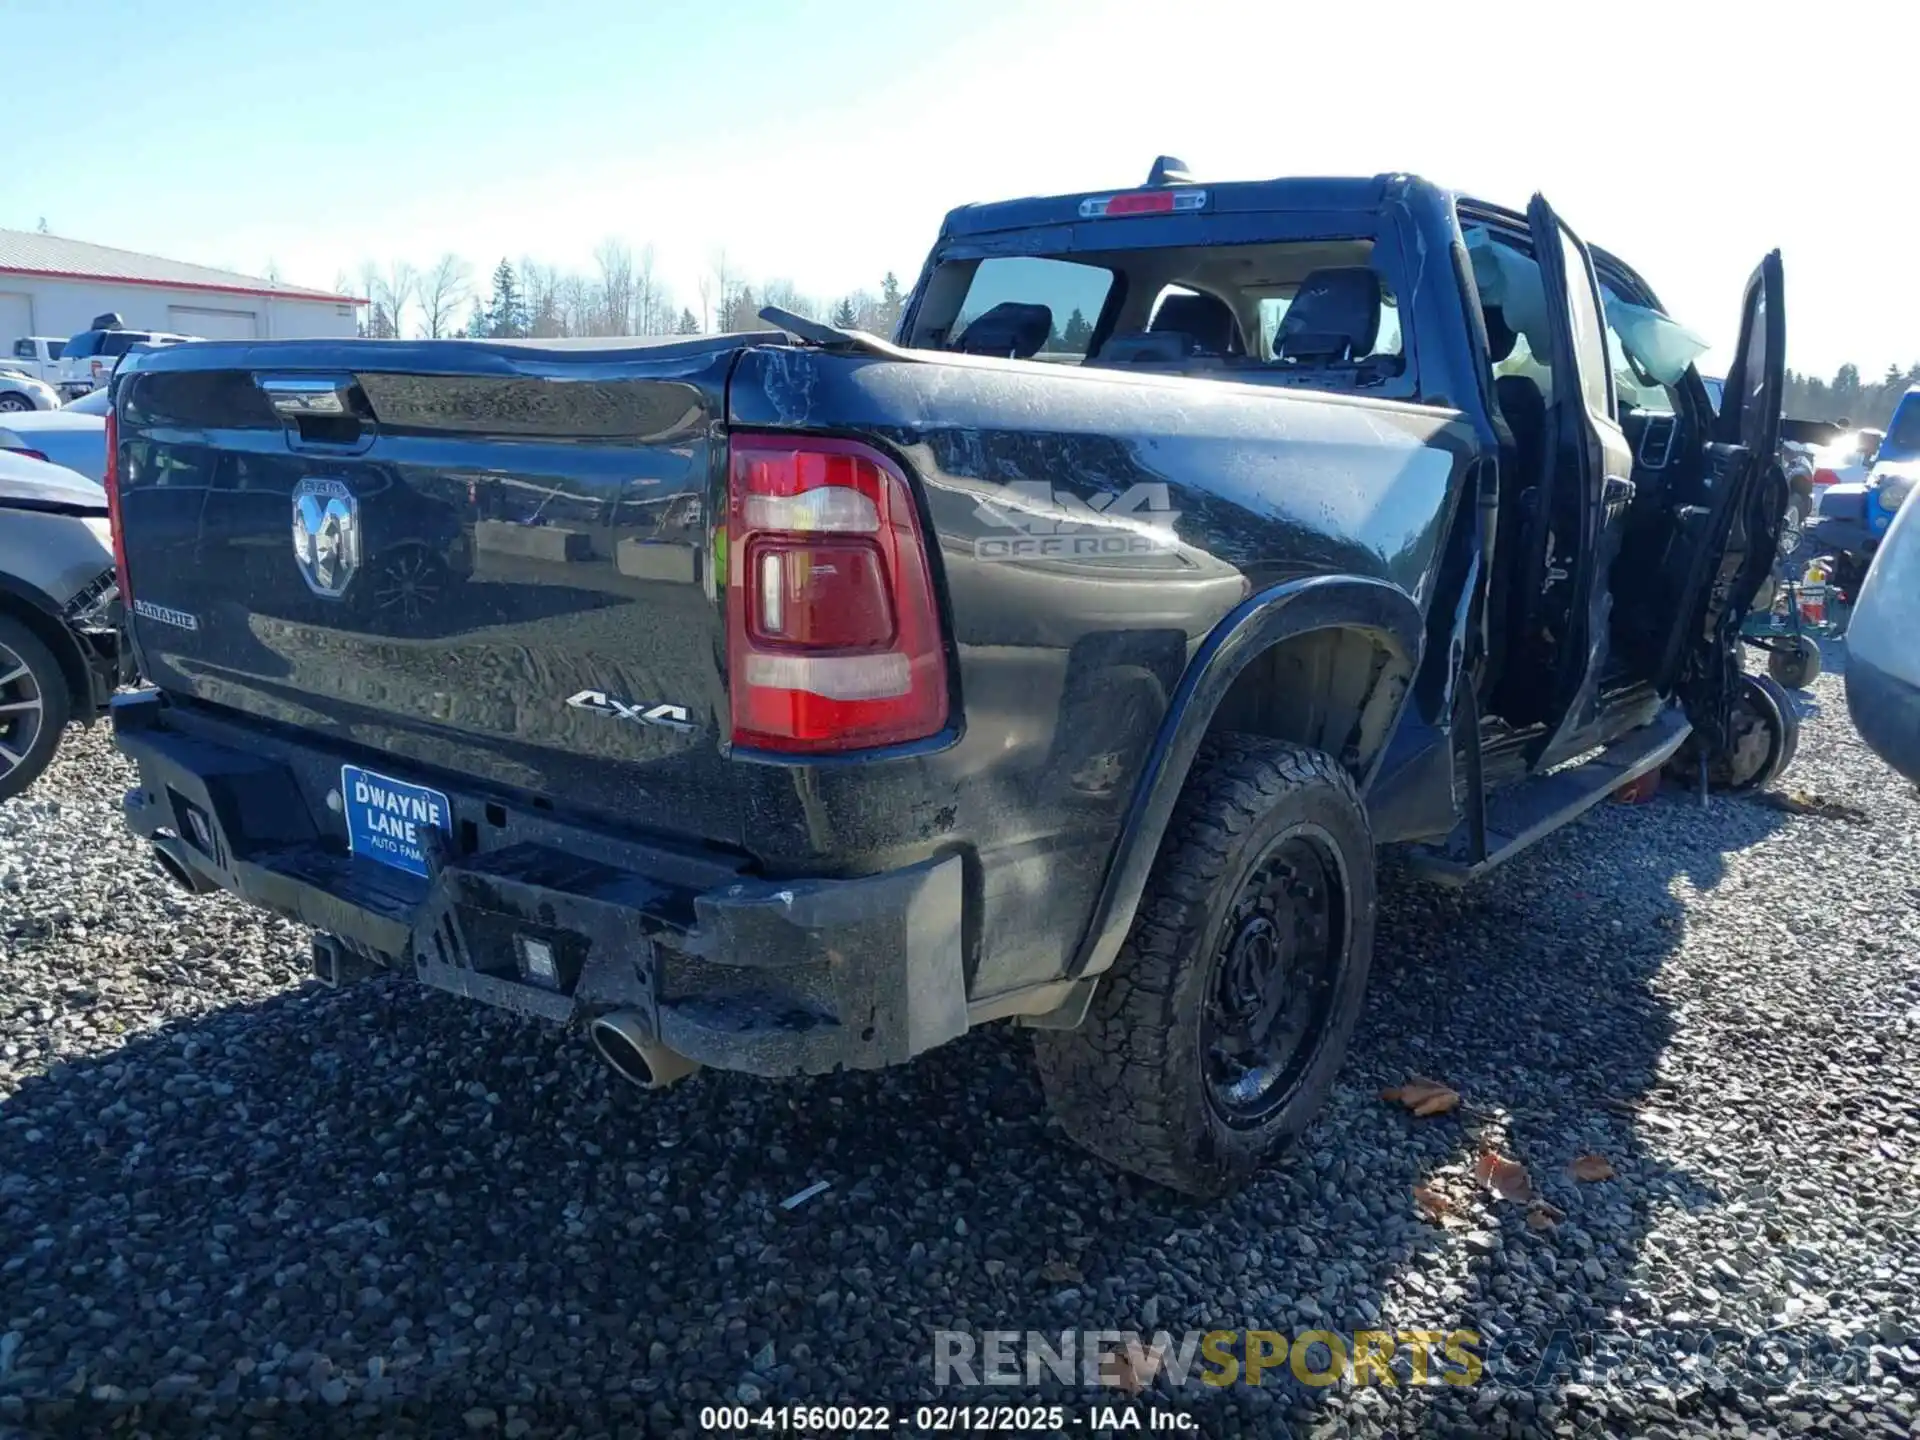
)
(55, 287)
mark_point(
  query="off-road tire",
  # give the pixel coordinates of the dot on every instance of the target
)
(47, 683)
(1129, 1084)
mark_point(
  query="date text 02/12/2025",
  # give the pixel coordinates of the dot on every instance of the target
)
(942, 1419)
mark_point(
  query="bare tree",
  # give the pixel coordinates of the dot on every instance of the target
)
(540, 289)
(443, 291)
(616, 287)
(577, 305)
(727, 283)
(379, 317)
(652, 310)
(787, 296)
(272, 276)
(391, 291)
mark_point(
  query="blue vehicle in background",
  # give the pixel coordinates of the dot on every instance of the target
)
(1850, 522)
(1852, 519)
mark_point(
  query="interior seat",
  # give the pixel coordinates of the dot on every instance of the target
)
(1206, 321)
(1334, 317)
(1010, 329)
(1521, 403)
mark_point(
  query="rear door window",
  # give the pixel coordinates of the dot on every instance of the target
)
(1074, 296)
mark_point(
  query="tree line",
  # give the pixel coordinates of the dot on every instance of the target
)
(622, 294)
(1860, 403)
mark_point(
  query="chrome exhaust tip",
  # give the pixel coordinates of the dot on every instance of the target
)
(624, 1043)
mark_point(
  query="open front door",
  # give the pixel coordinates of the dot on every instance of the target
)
(1750, 406)
(1744, 504)
(1589, 492)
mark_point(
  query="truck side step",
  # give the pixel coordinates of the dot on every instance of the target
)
(1523, 813)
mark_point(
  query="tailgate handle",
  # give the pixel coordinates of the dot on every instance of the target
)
(320, 408)
(293, 397)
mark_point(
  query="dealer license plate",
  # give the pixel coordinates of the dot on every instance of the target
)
(388, 819)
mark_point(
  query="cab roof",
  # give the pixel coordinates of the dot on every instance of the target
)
(1234, 197)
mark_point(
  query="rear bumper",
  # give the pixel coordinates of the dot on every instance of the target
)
(768, 977)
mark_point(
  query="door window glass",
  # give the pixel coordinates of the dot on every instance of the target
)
(1589, 346)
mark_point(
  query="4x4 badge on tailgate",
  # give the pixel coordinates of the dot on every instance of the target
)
(673, 717)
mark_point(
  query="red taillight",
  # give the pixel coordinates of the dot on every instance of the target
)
(833, 640)
(110, 482)
(1826, 477)
(1143, 202)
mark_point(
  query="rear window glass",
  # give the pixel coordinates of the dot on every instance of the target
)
(55, 348)
(1316, 313)
(1013, 291)
(117, 342)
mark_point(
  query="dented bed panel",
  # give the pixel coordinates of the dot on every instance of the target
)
(1093, 531)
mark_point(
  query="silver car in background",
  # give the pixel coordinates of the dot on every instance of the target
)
(74, 436)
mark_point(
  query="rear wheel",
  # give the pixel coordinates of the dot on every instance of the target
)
(11, 402)
(1795, 665)
(1763, 734)
(1216, 1035)
(34, 706)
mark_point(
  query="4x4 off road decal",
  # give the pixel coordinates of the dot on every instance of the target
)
(672, 717)
(1045, 523)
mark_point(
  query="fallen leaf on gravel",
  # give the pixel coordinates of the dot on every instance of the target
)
(1592, 1167)
(1061, 1272)
(1122, 1369)
(1506, 1178)
(1544, 1216)
(1423, 1097)
(1435, 1206)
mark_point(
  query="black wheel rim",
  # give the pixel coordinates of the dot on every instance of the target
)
(22, 711)
(1274, 976)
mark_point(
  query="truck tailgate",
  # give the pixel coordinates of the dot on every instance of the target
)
(479, 560)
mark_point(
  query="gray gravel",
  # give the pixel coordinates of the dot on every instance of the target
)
(229, 1199)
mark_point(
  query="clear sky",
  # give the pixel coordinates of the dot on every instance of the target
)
(821, 142)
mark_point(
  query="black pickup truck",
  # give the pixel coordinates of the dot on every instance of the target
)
(795, 700)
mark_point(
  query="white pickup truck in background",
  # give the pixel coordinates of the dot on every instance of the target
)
(37, 357)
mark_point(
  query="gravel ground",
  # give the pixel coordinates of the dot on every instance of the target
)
(232, 1200)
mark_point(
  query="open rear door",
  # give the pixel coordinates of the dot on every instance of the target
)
(1590, 489)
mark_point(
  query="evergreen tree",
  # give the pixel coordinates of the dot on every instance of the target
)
(689, 323)
(742, 313)
(1078, 334)
(887, 313)
(507, 312)
(843, 315)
